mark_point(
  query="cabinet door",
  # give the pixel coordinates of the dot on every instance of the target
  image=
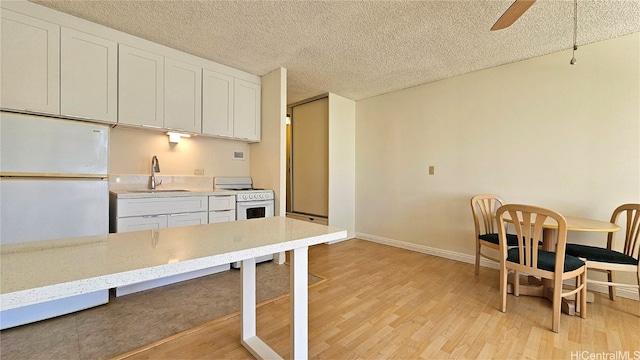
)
(161, 205)
(88, 76)
(30, 60)
(222, 216)
(151, 222)
(187, 219)
(246, 110)
(222, 202)
(140, 87)
(217, 104)
(182, 96)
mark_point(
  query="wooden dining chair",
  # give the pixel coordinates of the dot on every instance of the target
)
(529, 258)
(610, 260)
(483, 208)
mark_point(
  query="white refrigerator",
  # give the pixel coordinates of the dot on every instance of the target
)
(53, 184)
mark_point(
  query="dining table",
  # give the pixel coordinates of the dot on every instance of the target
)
(532, 286)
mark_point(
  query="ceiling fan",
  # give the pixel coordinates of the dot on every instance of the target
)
(512, 14)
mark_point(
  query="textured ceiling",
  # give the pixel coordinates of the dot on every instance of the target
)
(359, 49)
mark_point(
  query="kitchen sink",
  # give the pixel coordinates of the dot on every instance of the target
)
(157, 191)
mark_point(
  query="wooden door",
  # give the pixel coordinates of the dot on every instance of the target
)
(310, 158)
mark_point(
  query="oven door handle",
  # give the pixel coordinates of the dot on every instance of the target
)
(254, 203)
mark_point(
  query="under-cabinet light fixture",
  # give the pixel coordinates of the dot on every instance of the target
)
(174, 137)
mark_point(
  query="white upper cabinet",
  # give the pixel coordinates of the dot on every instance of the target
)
(182, 96)
(246, 110)
(140, 87)
(88, 76)
(30, 59)
(217, 103)
(53, 63)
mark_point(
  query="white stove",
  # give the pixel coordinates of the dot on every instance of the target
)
(253, 194)
(251, 203)
(247, 197)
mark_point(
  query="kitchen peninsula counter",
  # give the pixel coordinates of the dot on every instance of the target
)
(47, 270)
(37, 272)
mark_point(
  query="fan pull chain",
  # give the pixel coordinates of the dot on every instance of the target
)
(575, 31)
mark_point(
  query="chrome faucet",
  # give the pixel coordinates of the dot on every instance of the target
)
(155, 167)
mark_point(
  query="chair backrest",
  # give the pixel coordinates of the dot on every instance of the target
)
(532, 220)
(631, 215)
(483, 208)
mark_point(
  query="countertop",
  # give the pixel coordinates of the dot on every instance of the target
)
(167, 192)
(47, 270)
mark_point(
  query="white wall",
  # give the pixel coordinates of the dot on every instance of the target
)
(539, 131)
(342, 163)
(268, 164)
(131, 151)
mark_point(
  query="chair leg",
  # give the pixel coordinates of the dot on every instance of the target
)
(503, 288)
(583, 296)
(638, 274)
(516, 283)
(477, 257)
(612, 289)
(576, 296)
(557, 302)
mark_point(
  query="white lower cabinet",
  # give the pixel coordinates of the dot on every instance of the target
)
(187, 219)
(150, 222)
(151, 213)
(222, 208)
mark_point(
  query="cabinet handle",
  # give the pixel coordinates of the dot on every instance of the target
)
(223, 210)
(180, 214)
(152, 216)
(68, 116)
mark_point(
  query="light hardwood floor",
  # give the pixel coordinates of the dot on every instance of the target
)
(380, 302)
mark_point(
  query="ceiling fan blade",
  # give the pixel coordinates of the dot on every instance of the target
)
(512, 14)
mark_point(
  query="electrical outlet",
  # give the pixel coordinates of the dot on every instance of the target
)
(432, 170)
(198, 171)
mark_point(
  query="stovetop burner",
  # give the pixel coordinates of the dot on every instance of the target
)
(242, 183)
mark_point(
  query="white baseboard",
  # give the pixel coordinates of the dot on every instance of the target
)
(349, 237)
(627, 293)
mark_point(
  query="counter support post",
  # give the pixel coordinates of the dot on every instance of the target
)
(248, 295)
(299, 303)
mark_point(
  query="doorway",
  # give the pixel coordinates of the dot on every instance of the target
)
(308, 159)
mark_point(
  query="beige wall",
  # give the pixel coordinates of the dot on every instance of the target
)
(131, 151)
(342, 163)
(268, 164)
(539, 131)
